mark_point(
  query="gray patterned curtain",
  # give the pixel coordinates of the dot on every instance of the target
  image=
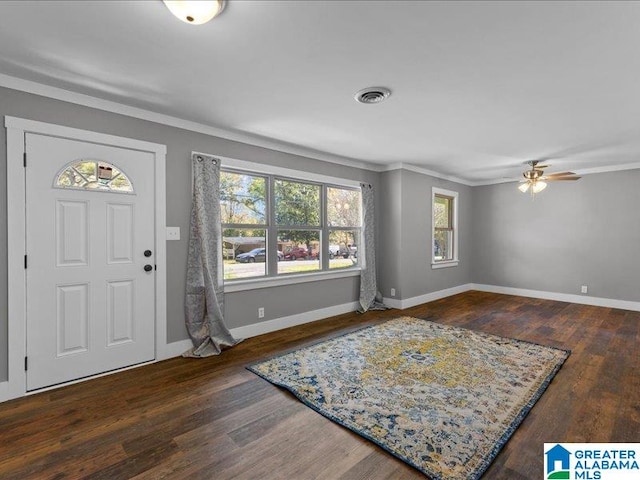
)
(204, 304)
(370, 298)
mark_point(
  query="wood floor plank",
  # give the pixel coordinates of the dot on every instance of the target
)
(211, 418)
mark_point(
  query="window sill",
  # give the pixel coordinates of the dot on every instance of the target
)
(449, 263)
(253, 284)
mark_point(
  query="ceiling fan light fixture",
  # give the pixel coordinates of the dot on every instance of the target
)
(538, 186)
(195, 12)
(523, 187)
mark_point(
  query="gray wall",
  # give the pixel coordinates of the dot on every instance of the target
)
(405, 235)
(389, 246)
(241, 307)
(571, 234)
(585, 233)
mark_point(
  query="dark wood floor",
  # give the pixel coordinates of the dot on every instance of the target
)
(185, 418)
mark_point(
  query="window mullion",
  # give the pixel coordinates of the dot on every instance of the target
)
(256, 226)
(272, 231)
(324, 234)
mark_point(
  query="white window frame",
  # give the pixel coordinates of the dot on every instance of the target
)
(455, 205)
(248, 167)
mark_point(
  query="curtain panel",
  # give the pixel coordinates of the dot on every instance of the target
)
(204, 303)
(370, 298)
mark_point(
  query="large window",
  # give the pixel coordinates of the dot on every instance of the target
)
(274, 225)
(445, 228)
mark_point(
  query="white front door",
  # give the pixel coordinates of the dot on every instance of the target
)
(90, 235)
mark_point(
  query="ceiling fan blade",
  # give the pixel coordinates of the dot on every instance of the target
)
(557, 176)
(560, 179)
(541, 166)
(560, 174)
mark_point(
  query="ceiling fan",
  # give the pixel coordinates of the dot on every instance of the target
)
(536, 180)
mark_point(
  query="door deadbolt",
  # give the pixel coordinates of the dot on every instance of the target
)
(148, 268)
(147, 253)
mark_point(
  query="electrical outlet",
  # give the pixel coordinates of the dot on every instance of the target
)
(173, 233)
(261, 312)
(393, 292)
(584, 289)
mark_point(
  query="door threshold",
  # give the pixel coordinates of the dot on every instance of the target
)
(84, 379)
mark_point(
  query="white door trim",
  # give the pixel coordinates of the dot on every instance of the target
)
(15, 386)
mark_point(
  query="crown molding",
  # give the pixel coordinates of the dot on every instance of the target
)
(612, 168)
(84, 100)
(425, 171)
(494, 182)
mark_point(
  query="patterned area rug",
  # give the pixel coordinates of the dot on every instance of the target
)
(443, 399)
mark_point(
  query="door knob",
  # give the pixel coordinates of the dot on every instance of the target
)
(147, 253)
(148, 268)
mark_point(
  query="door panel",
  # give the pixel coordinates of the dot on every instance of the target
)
(120, 233)
(72, 320)
(86, 260)
(120, 312)
(72, 233)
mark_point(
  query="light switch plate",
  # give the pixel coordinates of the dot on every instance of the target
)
(173, 233)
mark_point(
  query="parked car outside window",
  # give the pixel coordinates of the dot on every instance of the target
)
(255, 255)
(344, 251)
(302, 253)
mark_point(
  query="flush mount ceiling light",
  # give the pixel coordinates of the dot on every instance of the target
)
(372, 95)
(195, 12)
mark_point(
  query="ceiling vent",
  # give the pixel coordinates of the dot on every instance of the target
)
(372, 95)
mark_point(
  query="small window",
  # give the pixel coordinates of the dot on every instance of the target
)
(300, 250)
(445, 234)
(244, 253)
(93, 175)
(243, 199)
(297, 203)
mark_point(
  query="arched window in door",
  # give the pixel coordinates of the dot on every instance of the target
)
(93, 175)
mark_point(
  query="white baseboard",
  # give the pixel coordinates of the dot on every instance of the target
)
(522, 292)
(392, 302)
(174, 349)
(427, 297)
(261, 328)
(561, 297)
(5, 391)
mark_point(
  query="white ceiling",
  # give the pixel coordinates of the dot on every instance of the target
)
(477, 87)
